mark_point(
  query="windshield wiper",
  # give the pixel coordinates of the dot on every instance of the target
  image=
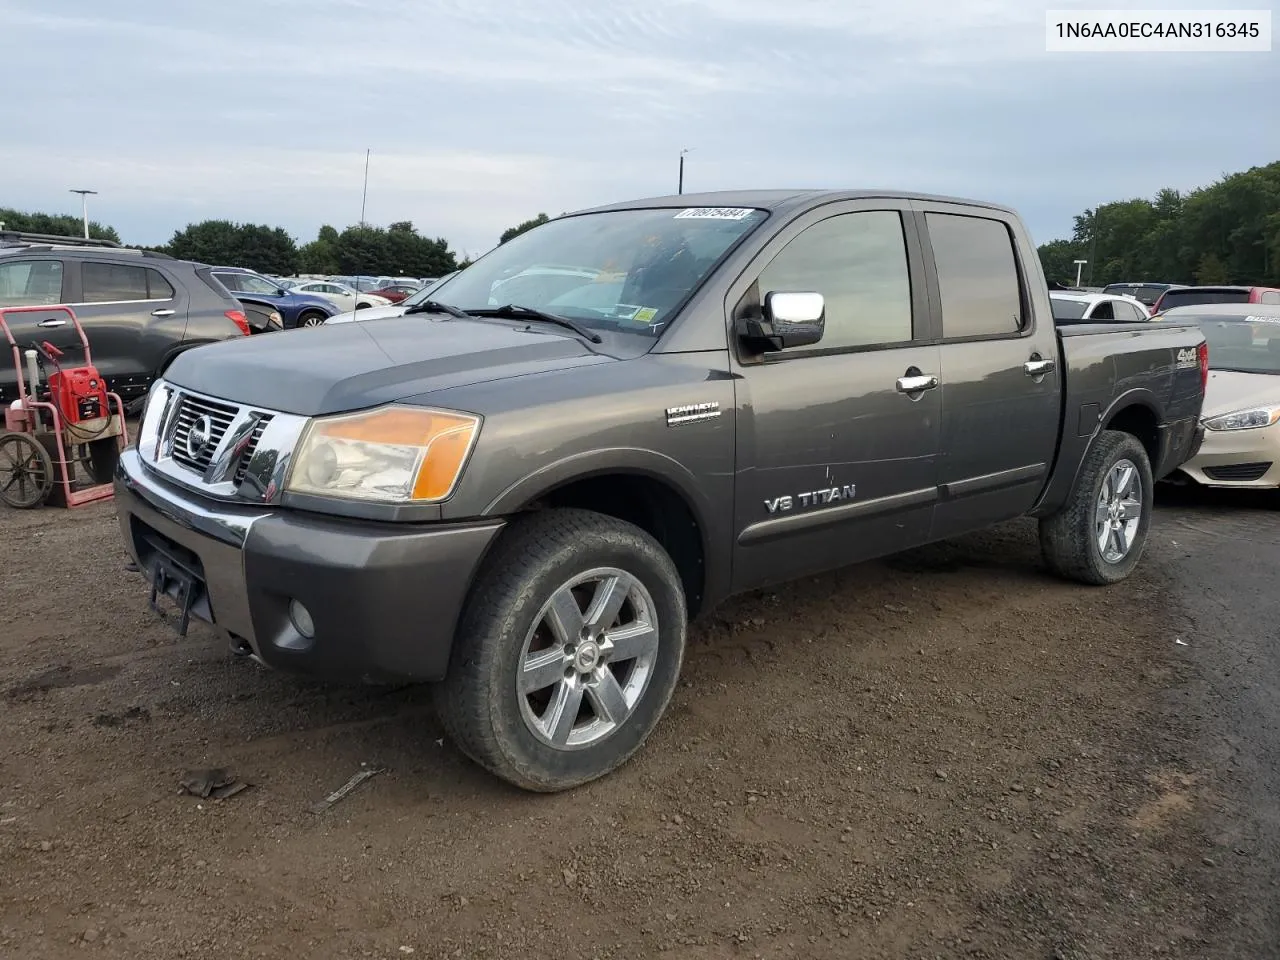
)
(435, 306)
(513, 311)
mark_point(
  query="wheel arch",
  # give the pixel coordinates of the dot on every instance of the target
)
(1135, 414)
(642, 487)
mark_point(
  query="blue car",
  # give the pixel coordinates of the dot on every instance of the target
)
(296, 309)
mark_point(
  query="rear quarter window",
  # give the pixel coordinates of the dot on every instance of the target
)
(977, 275)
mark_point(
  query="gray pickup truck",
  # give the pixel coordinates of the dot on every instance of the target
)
(524, 490)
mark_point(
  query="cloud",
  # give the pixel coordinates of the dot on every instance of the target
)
(482, 113)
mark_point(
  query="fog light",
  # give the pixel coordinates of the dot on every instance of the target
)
(301, 618)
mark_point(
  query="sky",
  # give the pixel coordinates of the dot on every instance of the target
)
(479, 114)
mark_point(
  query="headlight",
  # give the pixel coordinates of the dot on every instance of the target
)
(1245, 419)
(392, 455)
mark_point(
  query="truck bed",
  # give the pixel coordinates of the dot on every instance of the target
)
(1110, 365)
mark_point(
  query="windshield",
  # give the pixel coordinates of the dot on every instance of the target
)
(1191, 297)
(1246, 343)
(619, 270)
(1067, 309)
(424, 293)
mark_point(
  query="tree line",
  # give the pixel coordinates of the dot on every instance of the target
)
(1227, 232)
(398, 249)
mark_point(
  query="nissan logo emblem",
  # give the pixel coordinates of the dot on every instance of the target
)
(199, 435)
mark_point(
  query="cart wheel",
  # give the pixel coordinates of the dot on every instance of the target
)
(26, 471)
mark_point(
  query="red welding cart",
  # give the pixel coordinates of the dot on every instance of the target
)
(63, 435)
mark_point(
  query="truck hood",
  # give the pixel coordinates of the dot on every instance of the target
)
(1229, 391)
(322, 370)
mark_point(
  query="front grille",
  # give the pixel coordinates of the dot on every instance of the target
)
(190, 411)
(1240, 472)
(252, 445)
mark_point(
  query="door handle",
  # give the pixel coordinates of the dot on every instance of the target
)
(1037, 367)
(51, 323)
(924, 381)
(163, 313)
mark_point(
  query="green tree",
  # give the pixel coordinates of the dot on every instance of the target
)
(398, 250)
(515, 231)
(221, 242)
(321, 254)
(1212, 270)
(1057, 259)
(1226, 232)
(62, 225)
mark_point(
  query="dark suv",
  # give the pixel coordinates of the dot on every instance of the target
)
(139, 309)
(296, 309)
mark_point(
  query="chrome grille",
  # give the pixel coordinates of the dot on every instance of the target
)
(191, 411)
(247, 455)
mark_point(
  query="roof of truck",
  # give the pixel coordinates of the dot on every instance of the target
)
(774, 200)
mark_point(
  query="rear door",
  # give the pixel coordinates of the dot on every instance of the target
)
(30, 281)
(836, 462)
(1001, 385)
(130, 313)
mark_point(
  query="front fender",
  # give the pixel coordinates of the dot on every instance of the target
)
(637, 461)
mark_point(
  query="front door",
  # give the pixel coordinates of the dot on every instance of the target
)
(837, 441)
(30, 282)
(131, 314)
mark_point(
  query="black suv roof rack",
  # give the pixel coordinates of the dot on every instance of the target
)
(14, 237)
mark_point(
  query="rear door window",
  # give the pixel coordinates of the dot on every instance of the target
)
(1270, 296)
(30, 283)
(1103, 311)
(977, 276)
(112, 282)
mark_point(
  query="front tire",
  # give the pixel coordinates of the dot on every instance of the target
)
(1099, 535)
(567, 652)
(311, 319)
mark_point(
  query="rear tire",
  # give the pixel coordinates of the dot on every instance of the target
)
(1099, 534)
(567, 652)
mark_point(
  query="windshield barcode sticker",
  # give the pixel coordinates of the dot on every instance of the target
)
(714, 213)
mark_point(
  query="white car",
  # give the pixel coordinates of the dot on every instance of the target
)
(394, 309)
(1097, 308)
(341, 295)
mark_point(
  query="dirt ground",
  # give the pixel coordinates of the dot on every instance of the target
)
(946, 754)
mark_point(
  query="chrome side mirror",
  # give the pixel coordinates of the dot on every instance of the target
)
(788, 320)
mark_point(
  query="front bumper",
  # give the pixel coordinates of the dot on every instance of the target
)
(384, 598)
(1237, 458)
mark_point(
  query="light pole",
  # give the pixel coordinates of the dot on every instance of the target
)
(84, 207)
(680, 188)
(1079, 266)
